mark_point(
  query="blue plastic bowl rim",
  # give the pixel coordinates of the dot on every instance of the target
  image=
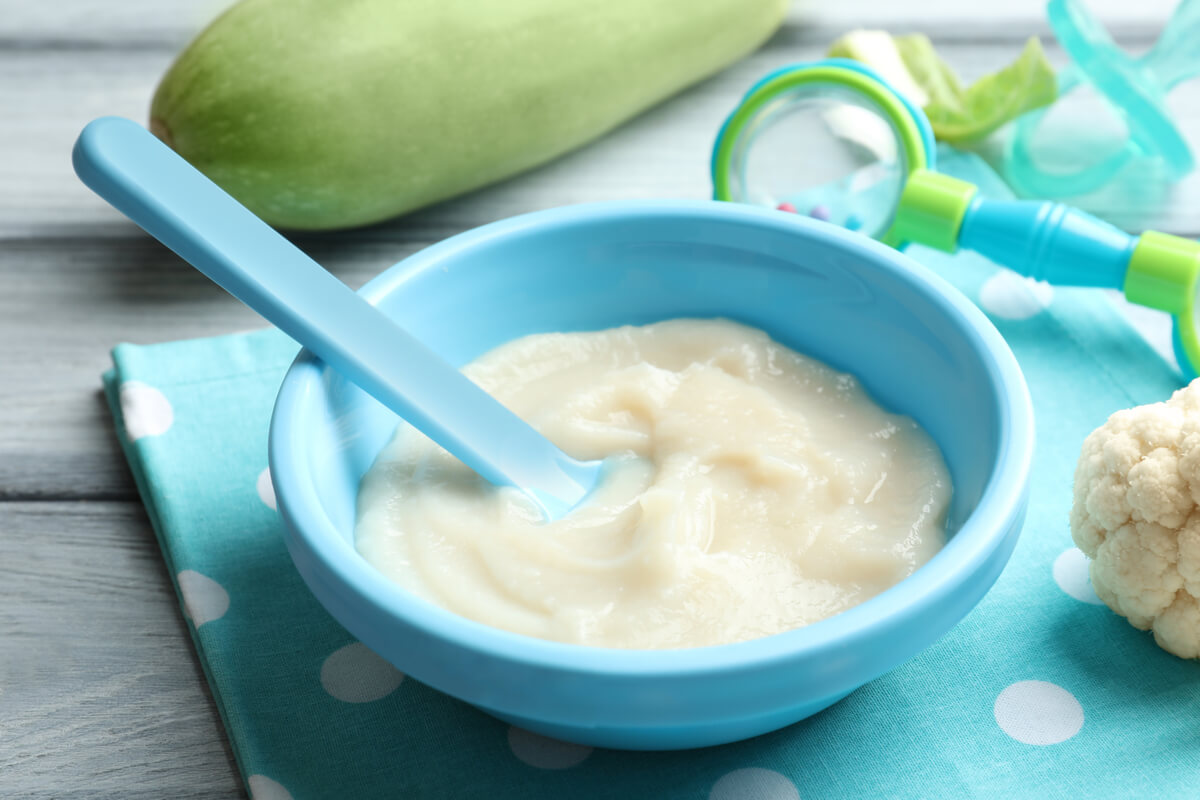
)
(981, 534)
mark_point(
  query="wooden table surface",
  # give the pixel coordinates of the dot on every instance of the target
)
(101, 694)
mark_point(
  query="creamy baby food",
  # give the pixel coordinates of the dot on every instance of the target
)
(752, 490)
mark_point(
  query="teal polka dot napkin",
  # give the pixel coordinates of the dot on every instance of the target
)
(1040, 692)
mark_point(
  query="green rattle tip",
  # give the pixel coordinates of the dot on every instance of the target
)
(931, 211)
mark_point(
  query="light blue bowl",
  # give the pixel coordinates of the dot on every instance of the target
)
(918, 346)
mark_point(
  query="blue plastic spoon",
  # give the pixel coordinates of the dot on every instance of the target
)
(145, 180)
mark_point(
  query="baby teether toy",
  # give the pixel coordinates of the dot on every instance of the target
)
(1134, 88)
(833, 135)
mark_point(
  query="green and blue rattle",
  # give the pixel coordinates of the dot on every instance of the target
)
(833, 140)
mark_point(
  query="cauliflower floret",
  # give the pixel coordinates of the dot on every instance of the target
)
(1136, 514)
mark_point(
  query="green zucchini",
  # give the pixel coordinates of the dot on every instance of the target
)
(323, 114)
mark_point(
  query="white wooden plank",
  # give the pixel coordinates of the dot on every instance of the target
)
(981, 20)
(166, 24)
(65, 304)
(101, 694)
(170, 23)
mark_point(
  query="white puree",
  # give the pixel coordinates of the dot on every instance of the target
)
(755, 490)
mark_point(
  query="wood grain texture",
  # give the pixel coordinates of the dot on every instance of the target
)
(100, 692)
(169, 24)
(65, 304)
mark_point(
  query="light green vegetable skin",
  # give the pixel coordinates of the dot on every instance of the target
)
(958, 115)
(321, 115)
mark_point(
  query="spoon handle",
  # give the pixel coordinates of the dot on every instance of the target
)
(148, 182)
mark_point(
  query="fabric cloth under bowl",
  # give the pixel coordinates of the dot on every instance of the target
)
(1041, 692)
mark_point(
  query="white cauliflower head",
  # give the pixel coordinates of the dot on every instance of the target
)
(1136, 514)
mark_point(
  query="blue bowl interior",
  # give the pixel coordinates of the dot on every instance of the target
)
(820, 291)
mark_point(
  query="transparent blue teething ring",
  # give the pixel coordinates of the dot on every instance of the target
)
(1135, 88)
